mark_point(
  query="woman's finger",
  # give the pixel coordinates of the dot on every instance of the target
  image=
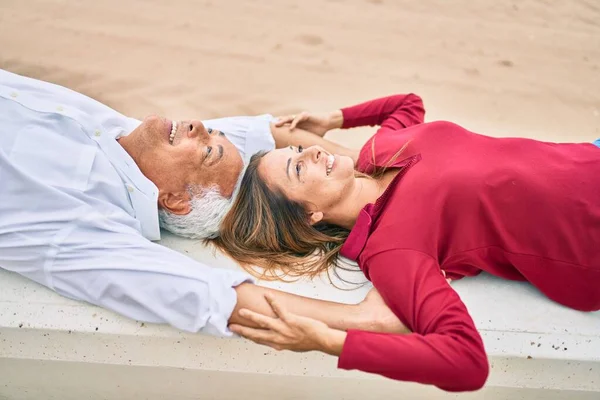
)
(256, 335)
(284, 120)
(261, 320)
(278, 310)
(303, 116)
(274, 346)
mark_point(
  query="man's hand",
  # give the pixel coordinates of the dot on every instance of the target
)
(318, 124)
(377, 315)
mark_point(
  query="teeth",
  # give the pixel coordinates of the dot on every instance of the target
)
(173, 131)
(330, 161)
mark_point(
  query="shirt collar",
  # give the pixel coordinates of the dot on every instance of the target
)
(142, 192)
(358, 236)
(103, 125)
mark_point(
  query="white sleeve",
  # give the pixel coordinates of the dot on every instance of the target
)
(120, 270)
(249, 134)
(126, 273)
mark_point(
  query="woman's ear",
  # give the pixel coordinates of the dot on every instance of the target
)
(176, 203)
(315, 217)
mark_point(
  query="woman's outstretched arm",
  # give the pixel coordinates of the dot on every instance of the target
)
(445, 349)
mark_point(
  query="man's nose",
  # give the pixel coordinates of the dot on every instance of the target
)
(197, 129)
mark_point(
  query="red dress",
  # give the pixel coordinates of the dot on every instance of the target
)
(464, 203)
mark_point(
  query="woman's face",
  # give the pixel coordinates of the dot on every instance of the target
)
(312, 177)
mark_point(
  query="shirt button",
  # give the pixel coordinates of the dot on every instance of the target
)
(130, 188)
(97, 133)
(14, 94)
(59, 108)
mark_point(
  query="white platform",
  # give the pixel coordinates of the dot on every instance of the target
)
(54, 348)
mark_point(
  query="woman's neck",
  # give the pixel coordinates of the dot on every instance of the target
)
(365, 191)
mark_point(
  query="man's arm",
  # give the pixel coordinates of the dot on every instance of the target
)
(149, 282)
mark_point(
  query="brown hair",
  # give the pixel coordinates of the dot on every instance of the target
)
(266, 229)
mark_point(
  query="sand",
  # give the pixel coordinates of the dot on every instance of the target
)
(507, 68)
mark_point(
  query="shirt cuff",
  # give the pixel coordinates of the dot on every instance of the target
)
(260, 137)
(223, 298)
(349, 358)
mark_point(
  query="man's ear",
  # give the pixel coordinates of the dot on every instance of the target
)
(315, 217)
(176, 203)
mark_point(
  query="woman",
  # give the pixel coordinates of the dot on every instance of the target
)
(434, 201)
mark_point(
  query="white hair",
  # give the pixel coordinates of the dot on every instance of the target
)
(209, 208)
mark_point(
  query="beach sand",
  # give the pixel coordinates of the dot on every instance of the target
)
(505, 68)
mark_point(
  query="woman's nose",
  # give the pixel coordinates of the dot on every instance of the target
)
(316, 153)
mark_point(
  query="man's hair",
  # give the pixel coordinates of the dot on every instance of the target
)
(209, 208)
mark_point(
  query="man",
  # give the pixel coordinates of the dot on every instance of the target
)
(81, 190)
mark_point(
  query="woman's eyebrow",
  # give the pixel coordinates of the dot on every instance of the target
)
(287, 170)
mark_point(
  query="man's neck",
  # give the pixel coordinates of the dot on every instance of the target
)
(126, 143)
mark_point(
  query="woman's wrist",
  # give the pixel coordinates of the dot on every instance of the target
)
(332, 342)
(336, 119)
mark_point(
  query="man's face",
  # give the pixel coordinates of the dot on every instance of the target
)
(175, 155)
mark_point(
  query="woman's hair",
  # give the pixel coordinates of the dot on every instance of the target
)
(267, 230)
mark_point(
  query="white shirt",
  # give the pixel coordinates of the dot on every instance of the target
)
(78, 216)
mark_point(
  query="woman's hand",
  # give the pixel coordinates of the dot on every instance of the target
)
(318, 124)
(290, 332)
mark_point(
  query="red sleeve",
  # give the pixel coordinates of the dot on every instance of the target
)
(445, 349)
(393, 112)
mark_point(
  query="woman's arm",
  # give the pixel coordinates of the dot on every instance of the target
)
(446, 350)
(372, 314)
(285, 136)
(392, 112)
